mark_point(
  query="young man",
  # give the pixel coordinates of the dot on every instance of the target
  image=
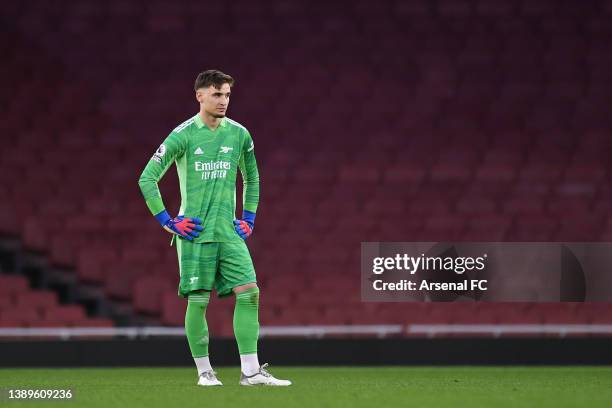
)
(208, 149)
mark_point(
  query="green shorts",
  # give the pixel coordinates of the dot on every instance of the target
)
(214, 265)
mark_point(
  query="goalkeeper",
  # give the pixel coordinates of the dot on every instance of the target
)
(208, 149)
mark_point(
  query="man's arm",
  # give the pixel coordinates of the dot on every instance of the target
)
(171, 149)
(250, 191)
(250, 176)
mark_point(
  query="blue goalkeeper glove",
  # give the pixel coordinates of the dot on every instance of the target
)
(244, 227)
(183, 227)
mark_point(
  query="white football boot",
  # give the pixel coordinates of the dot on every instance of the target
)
(208, 378)
(262, 377)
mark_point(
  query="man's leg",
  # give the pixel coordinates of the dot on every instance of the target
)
(246, 330)
(197, 264)
(246, 326)
(237, 276)
(196, 329)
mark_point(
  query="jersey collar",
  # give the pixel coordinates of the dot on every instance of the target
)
(200, 123)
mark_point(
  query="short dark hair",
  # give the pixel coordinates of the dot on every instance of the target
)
(212, 77)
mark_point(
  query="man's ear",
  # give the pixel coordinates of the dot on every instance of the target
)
(199, 94)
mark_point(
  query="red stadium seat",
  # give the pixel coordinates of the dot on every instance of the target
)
(11, 285)
(42, 300)
(25, 316)
(147, 292)
(67, 314)
(173, 309)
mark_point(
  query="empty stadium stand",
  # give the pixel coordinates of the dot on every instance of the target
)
(447, 120)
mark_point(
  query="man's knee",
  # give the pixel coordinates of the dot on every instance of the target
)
(242, 288)
(199, 291)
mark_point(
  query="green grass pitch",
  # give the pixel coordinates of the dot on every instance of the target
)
(377, 387)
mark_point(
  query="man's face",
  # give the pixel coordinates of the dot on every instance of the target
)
(214, 101)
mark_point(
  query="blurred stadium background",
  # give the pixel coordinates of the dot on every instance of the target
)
(446, 120)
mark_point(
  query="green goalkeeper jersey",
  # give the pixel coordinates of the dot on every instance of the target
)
(207, 163)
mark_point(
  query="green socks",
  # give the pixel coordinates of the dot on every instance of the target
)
(196, 328)
(246, 321)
